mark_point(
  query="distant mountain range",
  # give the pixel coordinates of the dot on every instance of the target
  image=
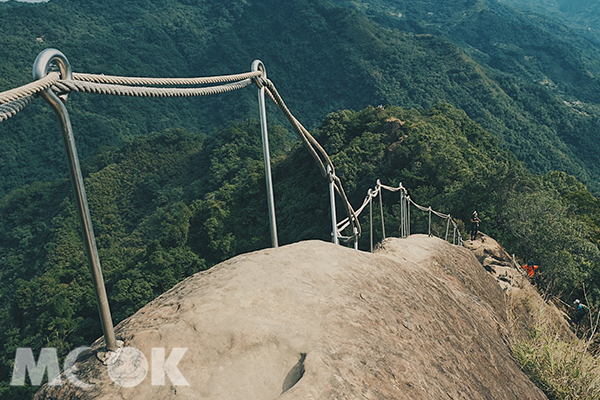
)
(530, 80)
(581, 14)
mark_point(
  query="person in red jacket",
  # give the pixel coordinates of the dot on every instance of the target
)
(531, 269)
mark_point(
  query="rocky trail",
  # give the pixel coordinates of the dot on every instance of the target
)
(418, 319)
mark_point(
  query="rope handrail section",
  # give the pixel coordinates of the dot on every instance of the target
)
(29, 89)
(11, 109)
(54, 87)
(63, 86)
(147, 81)
(377, 191)
(15, 100)
(315, 149)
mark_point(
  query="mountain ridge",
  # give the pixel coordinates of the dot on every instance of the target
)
(394, 324)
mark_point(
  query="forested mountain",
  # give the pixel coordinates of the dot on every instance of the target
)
(172, 203)
(583, 15)
(530, 82)
(177, 185)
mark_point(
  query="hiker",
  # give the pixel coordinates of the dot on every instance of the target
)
(474, 225)
(531, 269)
(580, 311)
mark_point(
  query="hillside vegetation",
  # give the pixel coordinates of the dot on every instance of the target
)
(172, 203)
(583, 15)
(486, 108)
(529, 82)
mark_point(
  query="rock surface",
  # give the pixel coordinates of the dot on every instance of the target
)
(526, 305)
(420, 319)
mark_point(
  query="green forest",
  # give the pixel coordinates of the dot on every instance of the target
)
(172, 203)
(483, 107)
(530, 82)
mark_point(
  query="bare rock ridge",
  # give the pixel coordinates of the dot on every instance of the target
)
(419, 319)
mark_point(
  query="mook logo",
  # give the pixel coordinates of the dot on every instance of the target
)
(127, 367)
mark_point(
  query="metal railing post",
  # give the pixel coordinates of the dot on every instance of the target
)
(381, 207)
(402, 215)
(369, 192)
(257, 65)
(44, 63)
(448, 226)
(355, 238)
(332, 201)
(407, 211)
(429, 221)
(408, 216)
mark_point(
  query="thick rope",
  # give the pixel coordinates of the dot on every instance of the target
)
(11, 109)
(119, 90)
(15, 100)
(123, 80)
(315, 149)
(312, 144)
(30, 89)
(371, 194)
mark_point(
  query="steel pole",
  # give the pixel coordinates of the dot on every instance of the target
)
(402, 215)
(381, 207)
(371, 217)
(408, 217)
(429, 221)
(257, 65)
(332, 202)
(45, 62)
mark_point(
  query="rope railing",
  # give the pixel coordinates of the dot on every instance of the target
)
(321, 158)
(405, 202)
(29, 89)
(11, 109)
(54, 81)
(55, 86)
(65, 86)
(457, 238)
(15, 100)
(124, 80)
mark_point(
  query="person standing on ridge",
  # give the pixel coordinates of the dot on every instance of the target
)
(474, 225)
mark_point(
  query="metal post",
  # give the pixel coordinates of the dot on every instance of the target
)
(257, 65)
(448, 226)
(381, 207)
(332, 201)
(369, 192)
(429, 220)
(402, 215)
(46, 61)
(408, 216)
(405, 214)
(355, 238)
(400, 228)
